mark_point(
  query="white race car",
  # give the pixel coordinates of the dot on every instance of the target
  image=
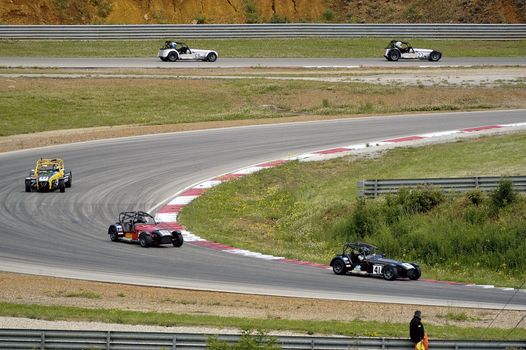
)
(172, 51)
(401, 49)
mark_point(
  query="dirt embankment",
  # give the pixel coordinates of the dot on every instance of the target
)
(259, 11)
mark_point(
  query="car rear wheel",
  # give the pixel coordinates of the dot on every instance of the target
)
(70, 180)
(212, 57)
(177, 239)
(144, 240)
(28, 185)
(435, 56)
(114, 235)
(414, 274)
(394, 55)
(389, 273)
(172, 57)
(339, 268)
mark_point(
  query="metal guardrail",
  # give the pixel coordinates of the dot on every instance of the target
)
(71, 340)
(374, 188)
(288, 30)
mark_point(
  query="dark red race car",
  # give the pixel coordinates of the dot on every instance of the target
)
(141, 227)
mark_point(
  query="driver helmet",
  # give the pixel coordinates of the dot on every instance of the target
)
(398, 44)
(173, 44)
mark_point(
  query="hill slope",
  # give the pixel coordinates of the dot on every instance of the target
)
(259, 11)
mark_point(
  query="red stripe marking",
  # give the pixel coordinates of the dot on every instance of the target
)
(227, 177)
(171, 208)
(193, 192)
(404, 139)
(333, 150)
(482, 128)
(273, 163)
(171, 226)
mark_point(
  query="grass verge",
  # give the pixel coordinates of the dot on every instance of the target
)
(308, 210)
(32, 105)
(302, 47)
(352, 328)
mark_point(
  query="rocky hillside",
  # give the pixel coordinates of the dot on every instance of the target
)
(260, 11)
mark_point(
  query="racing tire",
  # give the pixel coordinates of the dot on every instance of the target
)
(414, 274)
(389, 273)
(338, 267)
(61, 185)
(114, 235)
(394, 55)
(144, 240)
(172, 57)
(70, 180)
(434, 56)
(177, 239)
(28, 185)
(211, 57)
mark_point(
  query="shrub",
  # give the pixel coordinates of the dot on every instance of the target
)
(363, 219)
(328, 15)
(278, 19)
(251, 11)
(503, 195)
(419, 200)
(247, 341)
(475, 196)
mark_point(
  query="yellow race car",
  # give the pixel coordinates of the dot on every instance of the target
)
(49, 175)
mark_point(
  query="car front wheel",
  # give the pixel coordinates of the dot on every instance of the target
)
(435, 56)
(212, 57)
(389, 273)
(414, 274)
(177, 239)
(339, 268)
(28, 185)
(114, 236)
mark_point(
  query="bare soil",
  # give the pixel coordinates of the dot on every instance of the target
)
(28, 289)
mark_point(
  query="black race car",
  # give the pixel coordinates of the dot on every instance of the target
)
(141, 227)
(362, 259)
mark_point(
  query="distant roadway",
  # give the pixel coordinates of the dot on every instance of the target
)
(154, 62)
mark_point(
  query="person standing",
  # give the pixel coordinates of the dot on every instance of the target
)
(416, 331)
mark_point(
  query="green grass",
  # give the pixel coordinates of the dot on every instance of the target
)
(41, 104)
(352, 328)
(308, 210)
(304, 47)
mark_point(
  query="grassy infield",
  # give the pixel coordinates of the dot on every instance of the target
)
(276, 209)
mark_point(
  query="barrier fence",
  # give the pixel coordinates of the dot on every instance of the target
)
(108, 340)
(287, 30)
(375, 188)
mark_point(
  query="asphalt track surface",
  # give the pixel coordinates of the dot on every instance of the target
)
(65, 234)
(153, 62)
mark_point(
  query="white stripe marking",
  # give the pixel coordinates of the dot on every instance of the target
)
(208, 184)
(180, 200)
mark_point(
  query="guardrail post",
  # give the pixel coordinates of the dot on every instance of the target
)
(476, 181)
(376, 188)
(312, 344)
(108, 340)
(174, 342)
(383, 343)
(43, 340)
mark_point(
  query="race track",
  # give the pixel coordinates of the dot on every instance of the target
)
(64, 234)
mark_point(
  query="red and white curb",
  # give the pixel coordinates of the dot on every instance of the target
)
(169, 212)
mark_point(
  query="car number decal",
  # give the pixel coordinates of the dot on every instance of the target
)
(377, 269)
(408, 266)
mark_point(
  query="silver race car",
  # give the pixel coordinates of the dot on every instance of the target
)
(401, 49)
(173, 51)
